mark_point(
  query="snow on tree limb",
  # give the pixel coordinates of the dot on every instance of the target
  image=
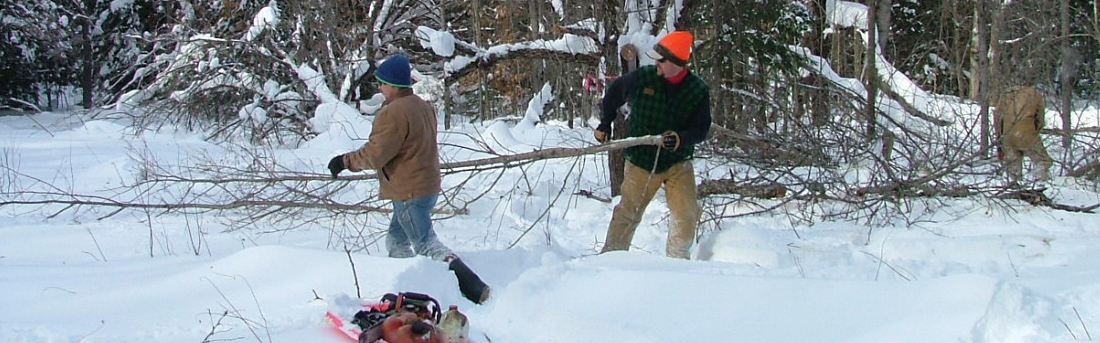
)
(465, 57)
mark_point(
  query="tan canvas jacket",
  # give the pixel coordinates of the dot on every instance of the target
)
(402, 148)
(1019, 116)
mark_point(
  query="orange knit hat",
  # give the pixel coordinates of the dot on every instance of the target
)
(675, 46)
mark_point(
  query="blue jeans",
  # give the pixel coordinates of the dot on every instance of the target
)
(411, 228)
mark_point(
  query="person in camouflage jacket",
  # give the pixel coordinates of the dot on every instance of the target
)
(666, 99)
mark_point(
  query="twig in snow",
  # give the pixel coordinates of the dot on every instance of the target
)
(1012, 263)
(101, 323)
(237, 312)
(214, 326)
(888, 265)
(31, 116)
(96, 244)
(354, 274)
(1082, 321)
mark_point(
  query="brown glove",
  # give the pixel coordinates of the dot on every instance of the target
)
(602, 133)
(600, 136)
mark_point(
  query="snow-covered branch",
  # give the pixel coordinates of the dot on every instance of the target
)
(465, 57)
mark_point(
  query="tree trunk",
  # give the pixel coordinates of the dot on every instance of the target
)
(996, 28)
(538, 66)
(616, 162)
(959, 70)
(870, 71)
(819, 109)
(979, 82)
(1068, 72)
(448, 93)
(884, 23)
(1096, 20)
(979, 48)
(683, 22)
(626, 62)
(88, 67)
(483, 94)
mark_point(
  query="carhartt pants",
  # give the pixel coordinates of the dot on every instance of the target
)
(1040, 160)
(638, 189)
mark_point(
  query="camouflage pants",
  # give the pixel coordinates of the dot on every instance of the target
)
(639, 187)
(411, 228)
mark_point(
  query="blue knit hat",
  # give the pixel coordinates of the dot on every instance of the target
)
(395, 71)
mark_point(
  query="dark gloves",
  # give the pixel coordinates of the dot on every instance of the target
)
(602, 133)
(670, 140)
(336, 165)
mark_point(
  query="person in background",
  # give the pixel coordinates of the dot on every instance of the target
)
(402, 149)
(1017, 118)
(666, 99)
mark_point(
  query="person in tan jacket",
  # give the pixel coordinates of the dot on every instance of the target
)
(1018, 116)
(402, 148)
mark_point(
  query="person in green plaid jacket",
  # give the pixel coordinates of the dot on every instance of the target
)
(668, 100)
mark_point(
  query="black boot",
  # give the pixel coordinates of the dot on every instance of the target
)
(469, 283)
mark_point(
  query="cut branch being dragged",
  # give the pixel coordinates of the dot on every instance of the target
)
(272, 189)
(502, 161)
(78, 200)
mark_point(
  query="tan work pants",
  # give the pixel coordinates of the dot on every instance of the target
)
(639, 187)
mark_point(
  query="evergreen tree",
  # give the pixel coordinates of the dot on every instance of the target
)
(746, 49)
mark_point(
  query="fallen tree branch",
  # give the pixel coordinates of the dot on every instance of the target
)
(1049, 131)
(71, 200)
(1037, 197)
(909, 108)
(770, 190)
(31, 115)
(1088, 171)
(509, 160)
(763, 148)
(503, 161)
(900, 187)
(76, 201)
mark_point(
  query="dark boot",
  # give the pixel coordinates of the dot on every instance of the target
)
(469, 283)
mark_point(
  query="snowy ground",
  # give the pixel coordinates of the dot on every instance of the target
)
(977, 273)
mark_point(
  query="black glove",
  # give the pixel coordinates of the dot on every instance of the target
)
(602, 133)
(670, 140)
(469, 284)
(336, 165)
